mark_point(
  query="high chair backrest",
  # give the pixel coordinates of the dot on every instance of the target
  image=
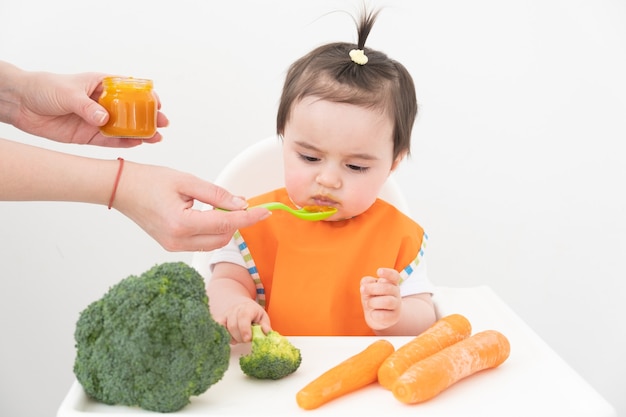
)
(258, 169)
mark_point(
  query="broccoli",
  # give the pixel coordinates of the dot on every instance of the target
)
(271, 356)
(151, 341)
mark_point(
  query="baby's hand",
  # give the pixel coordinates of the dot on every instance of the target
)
(238, 320)
(380, 298)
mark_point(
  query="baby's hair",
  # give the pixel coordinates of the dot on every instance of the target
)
(328, 72)
(364, 27)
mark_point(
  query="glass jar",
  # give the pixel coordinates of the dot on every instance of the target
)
(132, 107)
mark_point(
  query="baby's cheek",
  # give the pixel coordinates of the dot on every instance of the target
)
(297, 188)
(358, 202)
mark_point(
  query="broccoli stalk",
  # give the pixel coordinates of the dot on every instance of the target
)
(271, 355)
(151, 341)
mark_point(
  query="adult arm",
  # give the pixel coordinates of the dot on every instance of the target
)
(159, 199)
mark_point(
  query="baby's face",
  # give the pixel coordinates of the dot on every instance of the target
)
(337, 154)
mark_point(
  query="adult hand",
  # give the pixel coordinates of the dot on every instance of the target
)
(161, 201)
(61, 107)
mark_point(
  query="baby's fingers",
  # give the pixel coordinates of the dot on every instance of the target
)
(389, 275)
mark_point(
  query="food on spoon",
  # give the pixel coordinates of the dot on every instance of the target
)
(443, 333)
(151, 341)
(432, 375)
(318, 209)
(272, 356)
(348, 376)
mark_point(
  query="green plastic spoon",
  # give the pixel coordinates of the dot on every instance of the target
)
(311, 213)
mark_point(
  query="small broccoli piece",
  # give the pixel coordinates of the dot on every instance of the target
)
(271, 355)
(151, 341)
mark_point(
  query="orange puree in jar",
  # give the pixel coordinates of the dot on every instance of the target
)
(132, 107)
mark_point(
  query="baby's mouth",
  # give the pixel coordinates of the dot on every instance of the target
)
(324, 201)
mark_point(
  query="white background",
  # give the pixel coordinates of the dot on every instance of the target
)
(517, 171)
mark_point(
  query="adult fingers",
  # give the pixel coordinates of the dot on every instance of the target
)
(212, 194)
(238, 219)
(212, 229)
(220, 222)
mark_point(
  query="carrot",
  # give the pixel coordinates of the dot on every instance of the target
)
(355, 372)
(430, 376)
(443, 333)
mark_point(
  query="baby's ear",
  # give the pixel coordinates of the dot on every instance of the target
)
(397, 161)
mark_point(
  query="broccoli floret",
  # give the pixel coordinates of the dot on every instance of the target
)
(151, 341)
(271, 355)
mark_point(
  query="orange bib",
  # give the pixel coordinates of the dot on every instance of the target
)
(310, 272)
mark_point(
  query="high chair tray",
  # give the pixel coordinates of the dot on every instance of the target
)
(533, 381)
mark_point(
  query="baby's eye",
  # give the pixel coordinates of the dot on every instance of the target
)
(357, 168)
(308, 158)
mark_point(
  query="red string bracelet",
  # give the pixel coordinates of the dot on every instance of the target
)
(117, 181)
